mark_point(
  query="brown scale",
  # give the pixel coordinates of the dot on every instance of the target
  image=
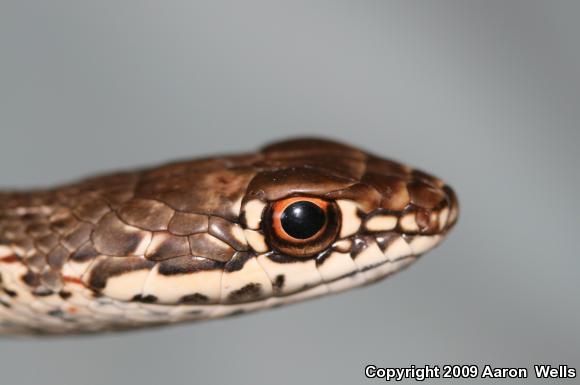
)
(224, 230)
(165, 245)
(208, 246)
(182, 216)
(146, 214)
(188, 224)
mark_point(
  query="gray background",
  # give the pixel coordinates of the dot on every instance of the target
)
(485, 94)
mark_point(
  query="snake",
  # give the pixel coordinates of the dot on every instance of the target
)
(212, 237)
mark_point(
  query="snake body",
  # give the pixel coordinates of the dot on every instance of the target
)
(212, 237)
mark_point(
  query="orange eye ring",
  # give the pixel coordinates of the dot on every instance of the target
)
(281, 207)
(301, 226)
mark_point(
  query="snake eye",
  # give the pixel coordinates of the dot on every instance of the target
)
(302, 219)
(301, 226)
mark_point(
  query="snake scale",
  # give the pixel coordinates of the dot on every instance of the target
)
(212, 237)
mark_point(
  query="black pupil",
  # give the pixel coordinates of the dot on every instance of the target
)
(302, 219)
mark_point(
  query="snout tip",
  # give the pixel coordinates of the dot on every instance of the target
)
(452, 209)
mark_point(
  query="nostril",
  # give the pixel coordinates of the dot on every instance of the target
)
(427, 220)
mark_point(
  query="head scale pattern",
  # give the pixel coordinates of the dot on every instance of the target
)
(212, 235)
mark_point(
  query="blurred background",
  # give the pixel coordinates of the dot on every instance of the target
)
(484, 94)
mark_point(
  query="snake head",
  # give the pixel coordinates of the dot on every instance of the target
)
(212, 237)
(298, 219)
(322, 217)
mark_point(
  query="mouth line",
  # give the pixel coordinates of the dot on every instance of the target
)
(322, 283)
(305, 293)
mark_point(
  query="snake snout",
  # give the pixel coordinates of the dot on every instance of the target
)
(410, 203)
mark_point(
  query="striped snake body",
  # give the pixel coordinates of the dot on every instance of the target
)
(212, 237)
